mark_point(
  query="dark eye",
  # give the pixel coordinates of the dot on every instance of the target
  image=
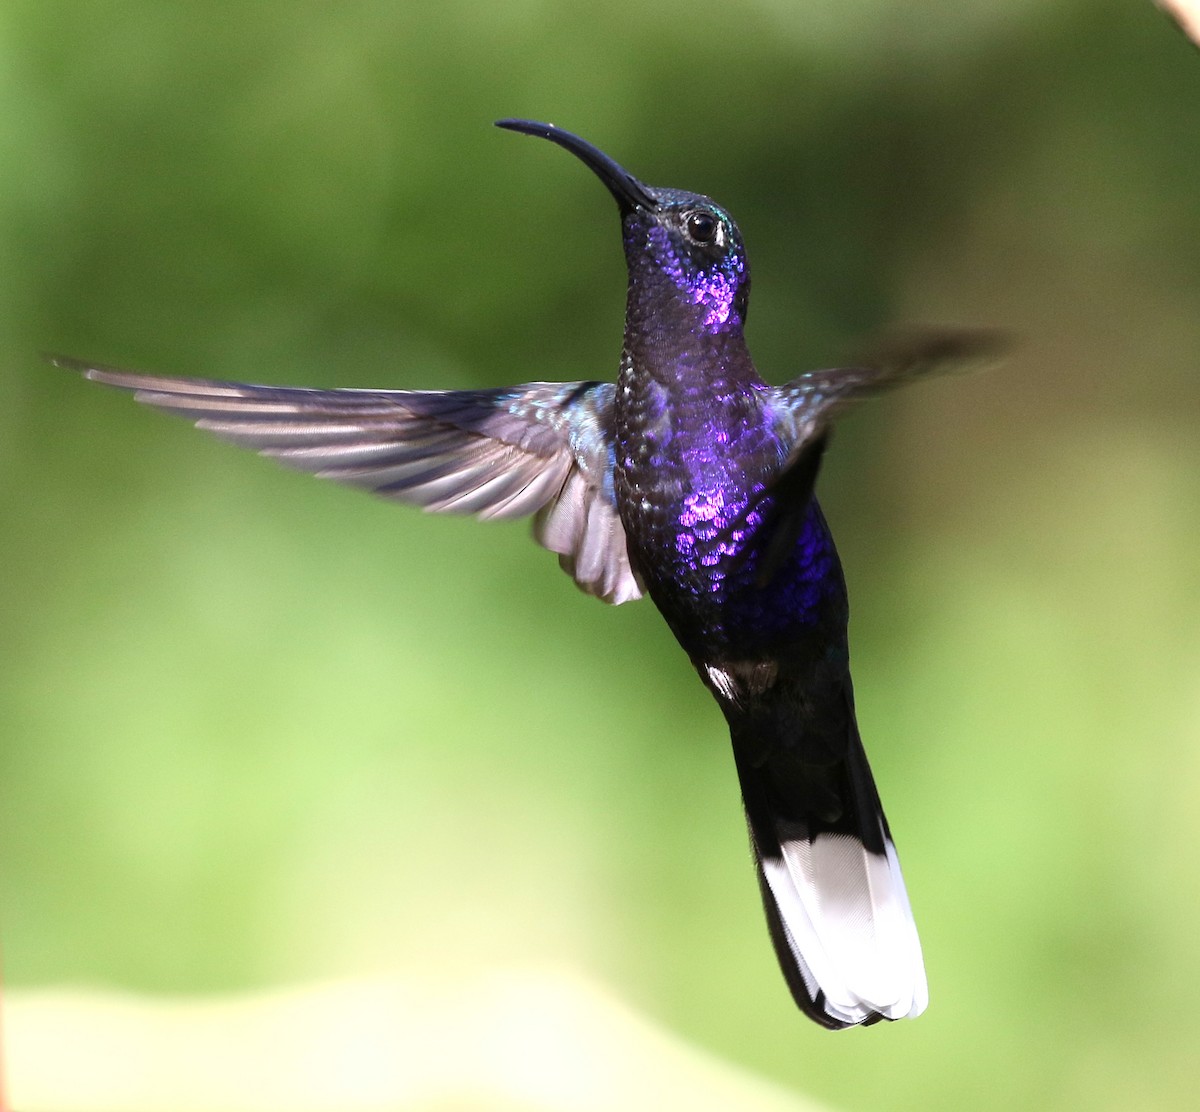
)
(700, 226)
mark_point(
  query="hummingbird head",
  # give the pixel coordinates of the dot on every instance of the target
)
(684, 238)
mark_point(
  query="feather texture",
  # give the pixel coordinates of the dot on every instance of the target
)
(835, 898)
(848, 925)
(540, 448)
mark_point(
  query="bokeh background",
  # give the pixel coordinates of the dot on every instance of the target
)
(257, 731)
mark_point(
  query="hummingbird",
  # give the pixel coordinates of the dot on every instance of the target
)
(690, 479)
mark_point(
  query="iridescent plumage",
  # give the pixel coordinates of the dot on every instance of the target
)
(691, 480)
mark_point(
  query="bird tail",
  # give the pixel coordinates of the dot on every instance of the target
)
(834, 897)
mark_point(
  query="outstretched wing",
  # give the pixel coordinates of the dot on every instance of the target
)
(809, 403)
(806, 407)
(540, 448)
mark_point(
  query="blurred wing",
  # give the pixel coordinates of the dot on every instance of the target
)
(541, 448)
(810, 403)
(807, 406)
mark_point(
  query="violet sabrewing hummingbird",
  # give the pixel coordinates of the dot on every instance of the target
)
(691, 480)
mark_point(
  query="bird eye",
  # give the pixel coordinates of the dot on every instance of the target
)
(701, 227)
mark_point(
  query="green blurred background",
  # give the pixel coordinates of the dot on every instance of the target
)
(257, 730)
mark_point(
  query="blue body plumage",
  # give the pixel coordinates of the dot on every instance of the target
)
(690, 479)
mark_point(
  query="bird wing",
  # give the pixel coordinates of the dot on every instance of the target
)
(810, 402)
(541, 448)
(807, 406)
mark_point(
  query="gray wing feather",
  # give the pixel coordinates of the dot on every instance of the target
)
(810, 402)
(582, 526)
(540, 448)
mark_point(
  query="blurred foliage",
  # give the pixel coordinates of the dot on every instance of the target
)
(257, 730)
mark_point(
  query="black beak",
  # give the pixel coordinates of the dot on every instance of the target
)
(629, 192)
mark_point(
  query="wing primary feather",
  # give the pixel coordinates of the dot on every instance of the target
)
(540, 448)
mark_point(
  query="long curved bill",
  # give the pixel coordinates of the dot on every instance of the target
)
(629, 192)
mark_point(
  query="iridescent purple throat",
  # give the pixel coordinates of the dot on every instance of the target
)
(715, 288)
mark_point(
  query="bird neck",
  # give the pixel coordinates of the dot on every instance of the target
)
(673, 344)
